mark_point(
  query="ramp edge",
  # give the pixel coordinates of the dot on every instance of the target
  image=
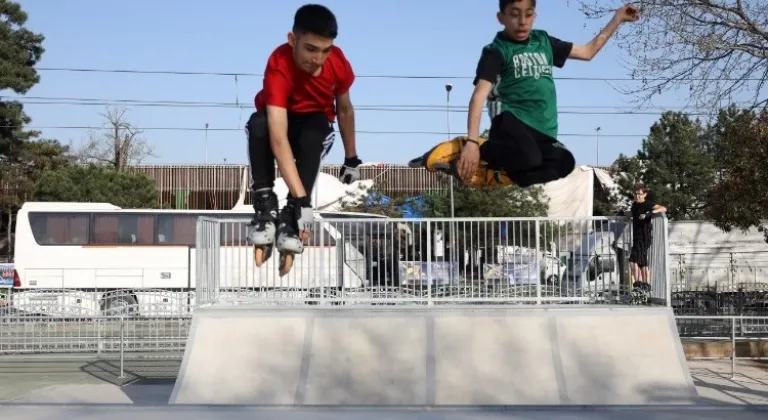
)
(185, 360)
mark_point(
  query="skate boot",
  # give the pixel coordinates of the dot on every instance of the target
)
(288, 242)
(444, 157)
(261, 229)
(640, 293)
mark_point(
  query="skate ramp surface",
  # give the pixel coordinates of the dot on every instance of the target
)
(436, 356)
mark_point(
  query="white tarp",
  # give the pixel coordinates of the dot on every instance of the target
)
(573, 195)
(328, 195)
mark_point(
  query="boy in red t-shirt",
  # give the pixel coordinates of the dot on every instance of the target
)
(306, 85)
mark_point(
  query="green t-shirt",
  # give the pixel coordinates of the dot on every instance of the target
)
(521, 73)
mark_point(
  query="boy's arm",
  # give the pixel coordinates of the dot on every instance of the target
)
(487, 73)
(276, 88)
(588, 51)
(488, 70)
(346, 113)
(345, 110)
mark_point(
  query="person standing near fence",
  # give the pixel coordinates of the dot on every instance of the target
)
(642, 211)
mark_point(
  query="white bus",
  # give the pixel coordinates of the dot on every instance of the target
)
(86, 259)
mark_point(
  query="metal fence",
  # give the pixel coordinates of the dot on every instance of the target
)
(719, 288)
(433, 261)
(148, 339)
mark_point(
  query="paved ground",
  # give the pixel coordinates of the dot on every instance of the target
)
(112, 412)
(150, 381)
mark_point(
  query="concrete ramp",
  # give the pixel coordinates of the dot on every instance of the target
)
(436, 356)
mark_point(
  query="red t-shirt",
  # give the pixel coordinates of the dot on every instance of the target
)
(289, 87)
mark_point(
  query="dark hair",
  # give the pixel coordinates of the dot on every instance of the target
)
(640, 187)
(504, 3)
(315, 19)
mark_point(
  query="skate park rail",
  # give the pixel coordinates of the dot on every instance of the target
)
(359, 260)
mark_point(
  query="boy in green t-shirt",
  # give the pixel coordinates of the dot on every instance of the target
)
(514, 76)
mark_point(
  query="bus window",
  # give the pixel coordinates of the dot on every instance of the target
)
(123, 229)
(176, 229)
(59, 229)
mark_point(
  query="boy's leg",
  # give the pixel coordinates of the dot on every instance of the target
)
(260, 156)
(510, 146)
(262, 163)
(645, 267)
(640, 258)
(308, 135)
(528, 156)
(557, 163)
(634, 259)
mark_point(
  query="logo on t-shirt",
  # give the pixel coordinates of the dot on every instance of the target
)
(531, 64)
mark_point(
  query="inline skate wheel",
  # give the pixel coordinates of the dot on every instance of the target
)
(286, 262)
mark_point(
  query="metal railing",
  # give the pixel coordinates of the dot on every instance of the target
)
(751, 330)
(433, 261)
(130, 338)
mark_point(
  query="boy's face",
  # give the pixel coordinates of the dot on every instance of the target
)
(518, 19)
(640, 196)
(310, 51)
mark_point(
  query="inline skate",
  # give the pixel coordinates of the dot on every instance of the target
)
(261, 229)
(288, 241)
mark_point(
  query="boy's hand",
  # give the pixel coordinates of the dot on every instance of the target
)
(349, 172)
(628, 13)
(470, 158)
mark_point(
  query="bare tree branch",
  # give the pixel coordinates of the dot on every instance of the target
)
(717, 49)
(120, 146)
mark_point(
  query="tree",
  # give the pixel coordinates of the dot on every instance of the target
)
(96, 183)
(120, 146)
(675, 163)
(375, 202)
(714, 49)
(739, 199)
(510, 201)
(20, 51)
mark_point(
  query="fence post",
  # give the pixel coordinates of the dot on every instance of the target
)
(538, 261)
(122, 347)
(667, 278)
(429, 262)
(733, 347)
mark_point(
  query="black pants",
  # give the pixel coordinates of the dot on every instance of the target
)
(310, 136)
(528, 156)
(639, 252)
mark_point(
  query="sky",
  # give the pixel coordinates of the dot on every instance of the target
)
(397, 118)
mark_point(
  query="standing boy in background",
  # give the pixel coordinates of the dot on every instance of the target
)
(642, 211)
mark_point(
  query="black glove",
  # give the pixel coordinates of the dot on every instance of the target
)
(302, 212)
(349, 172)
(646, 215)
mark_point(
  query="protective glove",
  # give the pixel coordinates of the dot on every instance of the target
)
(305, 217)
(349, 172)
